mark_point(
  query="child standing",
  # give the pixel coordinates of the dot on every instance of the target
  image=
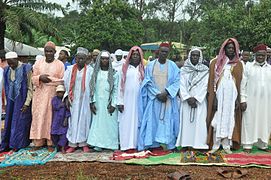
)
(60, 120)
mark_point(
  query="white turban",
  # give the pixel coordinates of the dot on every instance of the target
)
(118, 52)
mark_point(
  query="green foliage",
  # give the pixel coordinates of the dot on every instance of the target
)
(160, 30)
(110, 26)
(68, 27)
(248, 26)
(18, 19)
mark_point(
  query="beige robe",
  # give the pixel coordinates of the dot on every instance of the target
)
(42, 96)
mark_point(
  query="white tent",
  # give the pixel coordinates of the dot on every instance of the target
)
(21, 49)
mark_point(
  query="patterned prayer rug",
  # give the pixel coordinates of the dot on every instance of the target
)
(24, 157)
(80, 156)
(202, 157)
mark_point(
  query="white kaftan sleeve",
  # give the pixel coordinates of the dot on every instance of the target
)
(184, 89)
(243, 89)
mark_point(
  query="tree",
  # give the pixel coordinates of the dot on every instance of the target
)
(110, 26)
(19, 17)
(211, 22)
(69, 27)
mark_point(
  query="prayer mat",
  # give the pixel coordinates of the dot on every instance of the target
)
(248, 159)
(4, 155)
(169, 159)
(202, 157)
(119, 155)
(80, 156)
(24, 157)
(237, 159)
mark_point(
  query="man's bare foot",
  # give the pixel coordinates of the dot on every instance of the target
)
(50, 148)
(36, 148)
(63, 150)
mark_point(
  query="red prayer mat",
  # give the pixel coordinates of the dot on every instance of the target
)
(245, 159)
(3, 155)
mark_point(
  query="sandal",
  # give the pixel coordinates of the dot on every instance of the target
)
(179, 175)
(238, 173)
(225, 173)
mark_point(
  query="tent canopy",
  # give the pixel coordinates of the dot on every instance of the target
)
(21, 49)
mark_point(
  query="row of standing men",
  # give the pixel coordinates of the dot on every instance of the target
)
(137, 108)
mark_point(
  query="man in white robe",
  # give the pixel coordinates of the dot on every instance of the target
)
(132, 75)
(77, 97)
(256, 102)
(193, 90)
(118, 61)
(224, 82)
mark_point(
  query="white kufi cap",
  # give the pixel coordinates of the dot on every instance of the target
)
(11, 55)
(81, 50)
(105, 54)
(60, 88)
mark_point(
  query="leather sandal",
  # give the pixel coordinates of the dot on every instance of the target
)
(225, 173)
(238, 173)
(179, 175)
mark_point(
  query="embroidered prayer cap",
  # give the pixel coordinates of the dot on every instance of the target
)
(260, 47)
(118, 52)
(165, 44)
(11, 55)
(2, 53)
(96, 52)
(81, 50)
(105, 54)
(60, 88)
(50, 44)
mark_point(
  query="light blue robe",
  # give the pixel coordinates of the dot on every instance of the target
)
(152, 130)
(104, 128)
(80, 120)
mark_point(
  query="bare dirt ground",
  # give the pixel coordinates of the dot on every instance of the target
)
(97, 170)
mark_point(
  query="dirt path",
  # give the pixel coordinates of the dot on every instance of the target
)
(96, 170)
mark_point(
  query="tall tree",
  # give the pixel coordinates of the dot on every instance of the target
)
(110, 26)
(19, 17)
